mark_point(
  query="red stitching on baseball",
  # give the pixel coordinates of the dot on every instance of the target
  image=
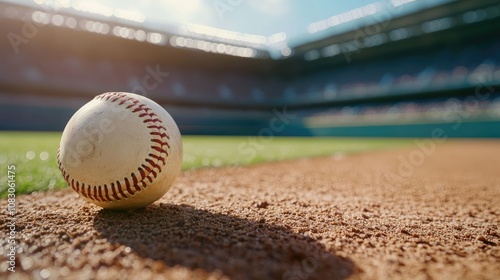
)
(147, 171)
(145, 167)
(127, 185)
(119, 186)
(158, 127)
(106, 194)
(142, 107)
(141, 171)
(113, 190)
(93, 192)
(136, 182)
(159, 149)
(159, 158)
(154, 165)
(156, 133)
(83, 191)
(99, 193)
(148, 114)
(77, 186)
(151, 120)
(134, 102)
(158, 141)
(102, 192)
(89, 192)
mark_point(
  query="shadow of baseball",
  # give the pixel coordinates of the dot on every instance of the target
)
(180, 235)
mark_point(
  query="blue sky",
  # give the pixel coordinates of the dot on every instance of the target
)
(260, 17)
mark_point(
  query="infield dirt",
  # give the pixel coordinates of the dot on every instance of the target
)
(395, 214)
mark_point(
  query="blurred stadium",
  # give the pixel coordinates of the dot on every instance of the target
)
(387, 68)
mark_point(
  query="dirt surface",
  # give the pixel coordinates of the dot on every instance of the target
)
(399, 214)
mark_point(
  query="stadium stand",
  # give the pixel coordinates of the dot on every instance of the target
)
(349, 84)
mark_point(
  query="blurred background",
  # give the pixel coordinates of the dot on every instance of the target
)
(401, 68)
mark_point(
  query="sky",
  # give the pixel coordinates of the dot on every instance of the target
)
(259, 17)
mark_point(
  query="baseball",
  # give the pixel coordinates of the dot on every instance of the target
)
(120, 150)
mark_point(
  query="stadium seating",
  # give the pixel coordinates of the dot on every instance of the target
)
(404, 86)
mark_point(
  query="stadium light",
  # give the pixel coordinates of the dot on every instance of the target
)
(345, 17)
(93, 8)
(130, 15)
(71, 22)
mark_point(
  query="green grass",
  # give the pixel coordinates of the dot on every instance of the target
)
(34, 154)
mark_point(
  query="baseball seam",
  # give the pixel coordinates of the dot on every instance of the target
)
(148, 170)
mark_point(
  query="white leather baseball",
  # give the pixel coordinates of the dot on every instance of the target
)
(121, 150)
